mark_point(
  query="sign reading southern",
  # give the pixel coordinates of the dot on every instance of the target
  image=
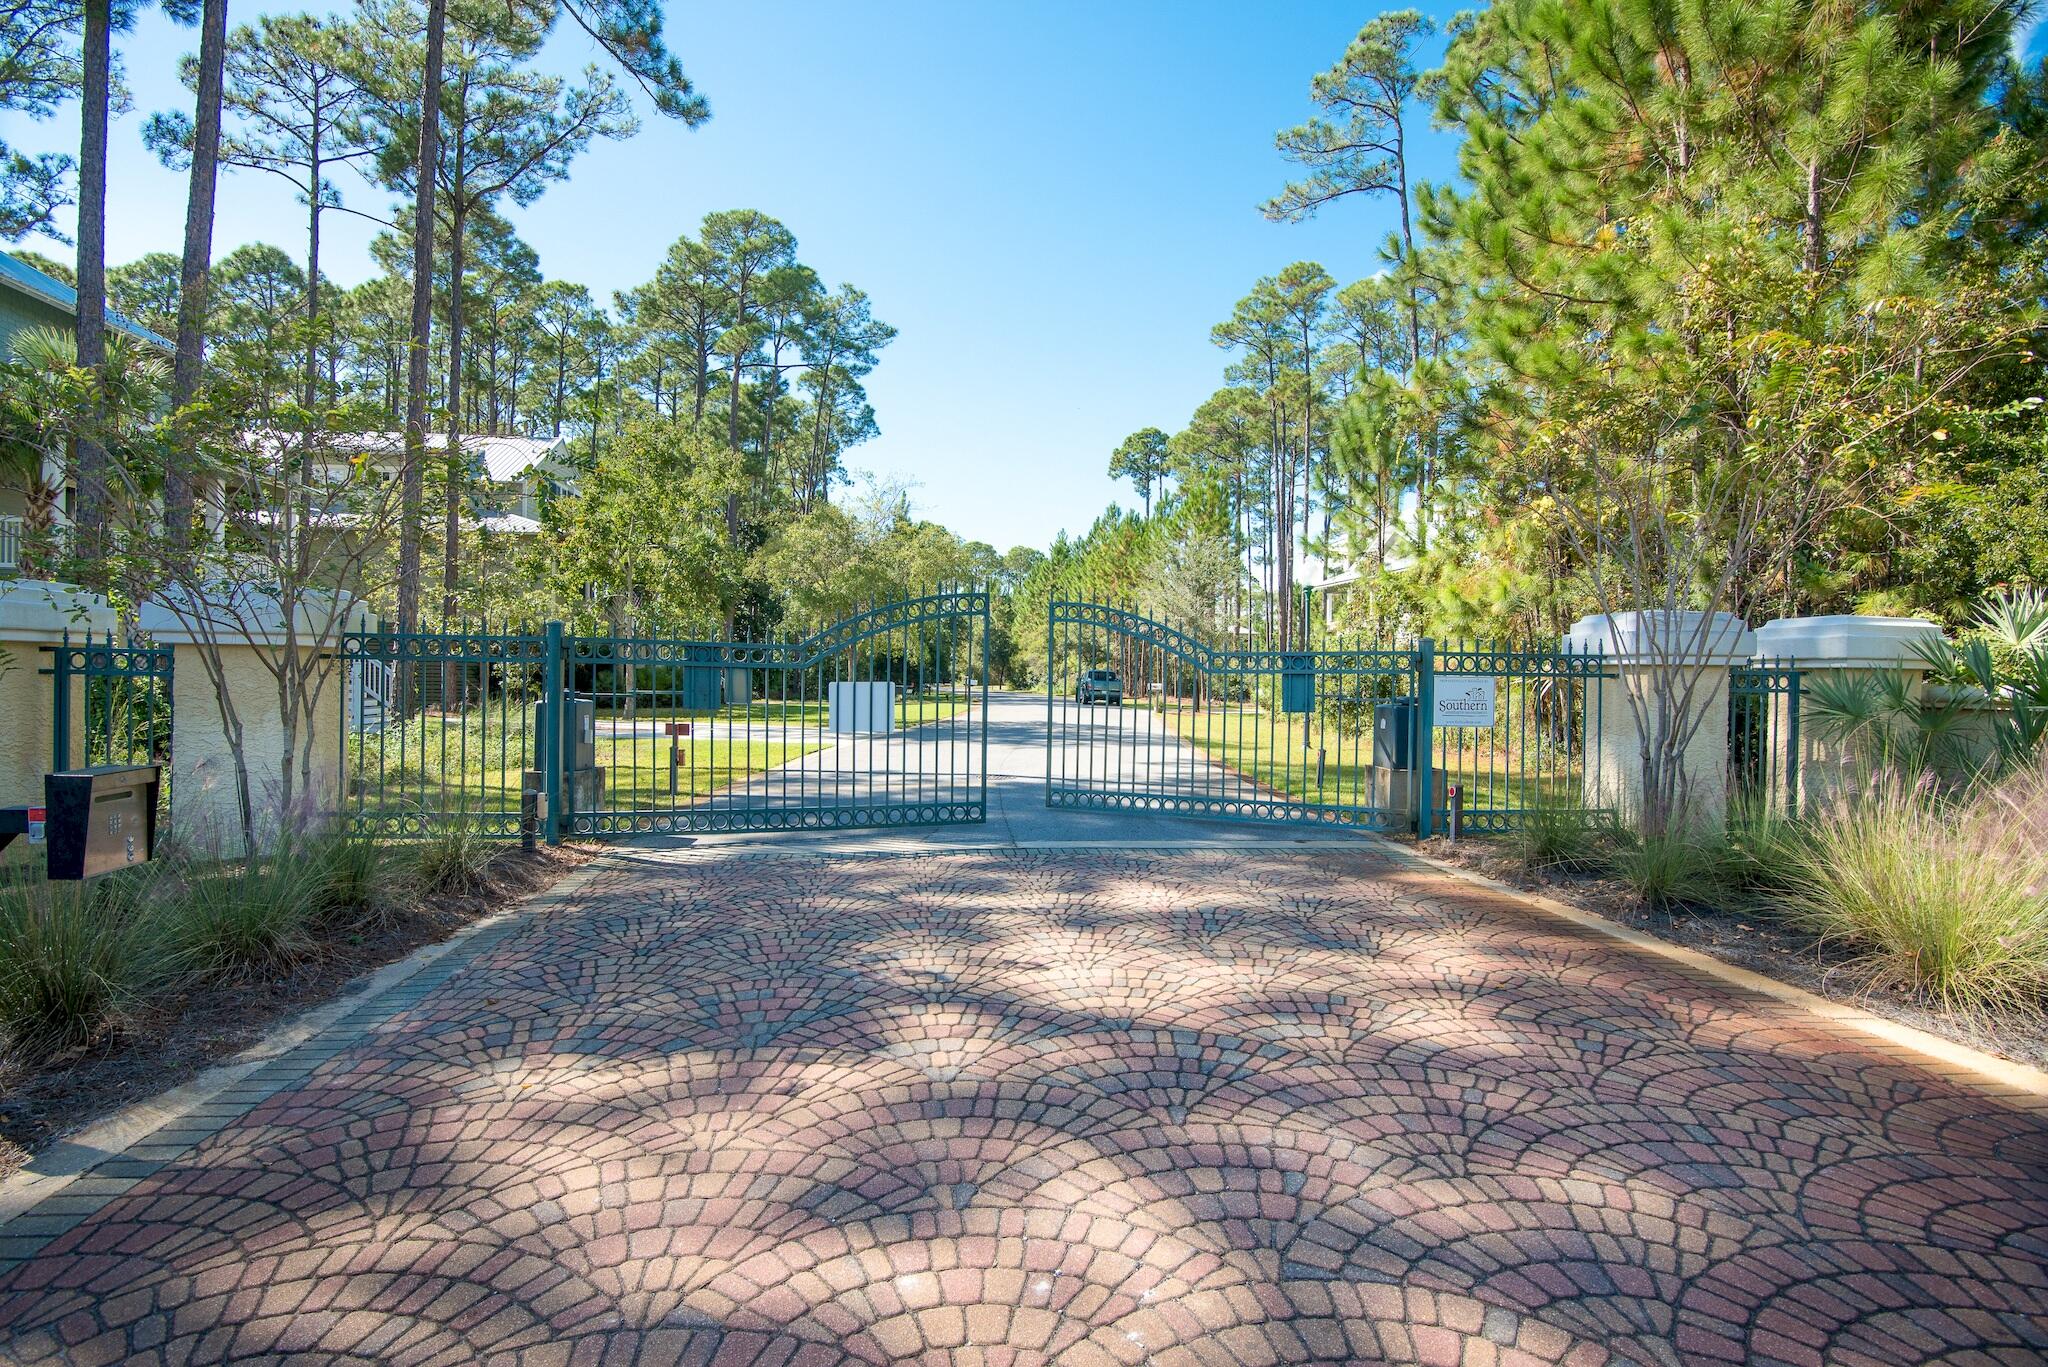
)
(1464, 702)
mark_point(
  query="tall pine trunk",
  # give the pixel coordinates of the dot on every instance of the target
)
(313, 164)
(452, 489)
(412, 478)
(97, 55)
(195, 269)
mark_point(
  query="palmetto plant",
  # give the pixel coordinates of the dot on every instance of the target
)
(1907, 735)
(1882, 719)
(46, 402)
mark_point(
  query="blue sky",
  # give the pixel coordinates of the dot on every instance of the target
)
(1053, 202)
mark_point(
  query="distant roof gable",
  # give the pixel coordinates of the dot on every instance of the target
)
(19, 276)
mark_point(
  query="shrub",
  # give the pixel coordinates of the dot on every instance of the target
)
(1763, 848)
(358, 881)
(1949, 904)
(1556, 834)
(74, 955)
(456, 857)
(1673, 867)
(250, 917)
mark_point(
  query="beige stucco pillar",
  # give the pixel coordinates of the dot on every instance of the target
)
(35, 617)
(1694, 652)
(1838, 647)
(249, 641)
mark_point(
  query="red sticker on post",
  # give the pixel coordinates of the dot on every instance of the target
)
(38, 822)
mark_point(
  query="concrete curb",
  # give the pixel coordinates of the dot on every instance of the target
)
(69, 1181)
(2003, 1078)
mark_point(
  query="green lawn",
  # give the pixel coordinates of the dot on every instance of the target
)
(917, 710)
(1280, 753)
(636, 777)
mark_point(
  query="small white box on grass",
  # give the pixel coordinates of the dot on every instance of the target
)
(857, 707)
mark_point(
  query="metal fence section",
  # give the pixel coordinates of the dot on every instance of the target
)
(112, 706)
(113, 703)
(1519, 744)
(1143, 716)
(1213, 730)
(876, 720)
(1763, 737)
(438, 727)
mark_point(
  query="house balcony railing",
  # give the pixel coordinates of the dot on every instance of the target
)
(10, 544)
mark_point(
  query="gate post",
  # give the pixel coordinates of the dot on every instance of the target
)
(1048, 697)
(1423, 752)
(549, 741)
(60, 721)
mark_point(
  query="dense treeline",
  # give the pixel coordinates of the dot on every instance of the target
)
(1732, 308)
(707, 411)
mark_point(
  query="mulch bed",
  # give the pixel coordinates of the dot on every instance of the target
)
(181, 1033)
(1751, 939)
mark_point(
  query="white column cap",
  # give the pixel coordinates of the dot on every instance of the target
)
(1844, 641)
(1663, 638)
(249, 616)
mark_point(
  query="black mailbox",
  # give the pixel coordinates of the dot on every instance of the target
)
(1393, 734)
(100, 819)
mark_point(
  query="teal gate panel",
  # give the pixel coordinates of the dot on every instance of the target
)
(878, 720)
(1212, 730)
(1764, 701)
(1506, 728)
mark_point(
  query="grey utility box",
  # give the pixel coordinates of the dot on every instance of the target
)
(582, 748)
(1393, 734)
(100, 819)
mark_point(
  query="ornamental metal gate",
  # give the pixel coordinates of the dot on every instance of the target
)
(1763, 737)
(878, 720)
(1143, 716)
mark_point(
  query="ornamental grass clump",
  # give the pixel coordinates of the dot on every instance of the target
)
(360, 885)
(455, 857)
(253, 917)
(1946, 901)
(1763, 849)
(1556, 835)
(73, 956)
(1672, 867)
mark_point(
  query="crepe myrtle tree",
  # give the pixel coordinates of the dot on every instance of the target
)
(310, 529)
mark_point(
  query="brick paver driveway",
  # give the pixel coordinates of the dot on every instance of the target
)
(1012, 1106)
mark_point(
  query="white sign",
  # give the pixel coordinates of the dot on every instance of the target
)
(1464, 702)
(860, 707)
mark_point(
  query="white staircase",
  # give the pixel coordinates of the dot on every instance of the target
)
(369, 694)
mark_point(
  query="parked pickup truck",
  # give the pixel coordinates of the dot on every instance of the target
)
(1100, 685)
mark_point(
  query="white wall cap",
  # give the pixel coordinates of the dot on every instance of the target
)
(248, 616)
(1843, 641)
(40, 611)
(1663, 638)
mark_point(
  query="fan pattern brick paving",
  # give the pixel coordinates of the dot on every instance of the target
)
(1012, 1107)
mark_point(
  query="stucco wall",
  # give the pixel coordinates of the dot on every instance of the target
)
(1614, 745)
(204, 806)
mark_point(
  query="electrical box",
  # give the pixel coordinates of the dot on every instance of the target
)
(1297, 682)
(1393, 734)
(581, 747)
(101, 819)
